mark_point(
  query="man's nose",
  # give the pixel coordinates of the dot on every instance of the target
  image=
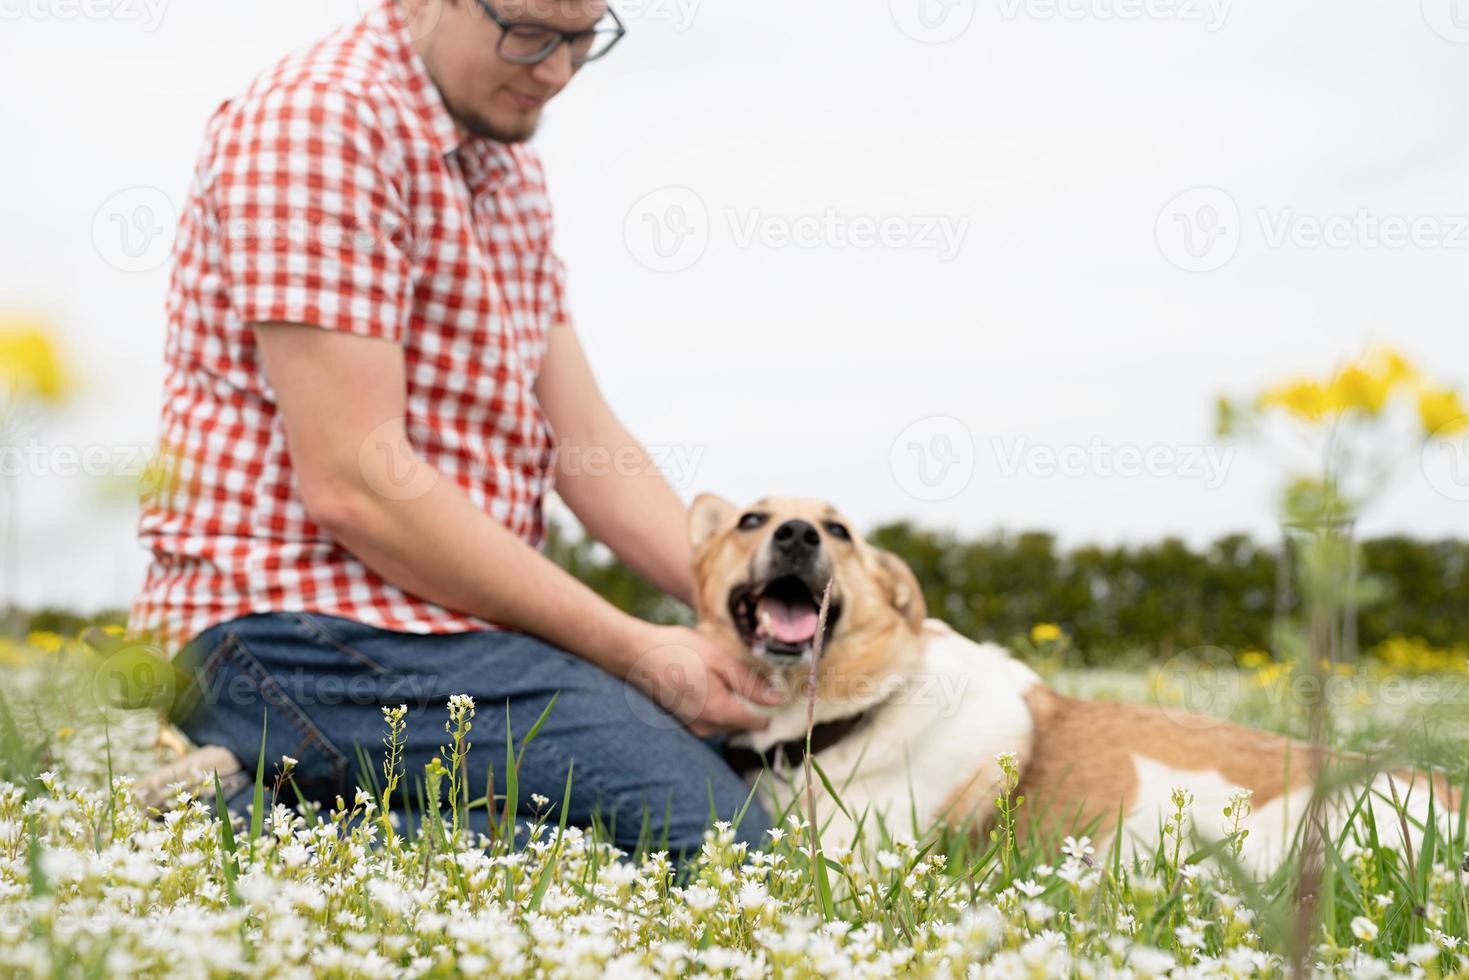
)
(796, 539)
(556, 70)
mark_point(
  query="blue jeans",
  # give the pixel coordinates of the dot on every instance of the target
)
(322, 682)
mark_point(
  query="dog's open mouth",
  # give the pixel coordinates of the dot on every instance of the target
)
(779, 619)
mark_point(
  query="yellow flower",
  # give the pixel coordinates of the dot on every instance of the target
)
(1305, 399)
(1269, 674)
(1415, 656)
(1442, 411)
(1045, 633)
(12, 654)
(1254, 659)
(29, 362)
(1393, 367)
(1355, 388)
(44, 640)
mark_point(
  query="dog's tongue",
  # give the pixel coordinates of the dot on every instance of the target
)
(785, 621)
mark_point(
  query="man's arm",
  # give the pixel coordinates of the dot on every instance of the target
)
(342, 401)
(606, 477)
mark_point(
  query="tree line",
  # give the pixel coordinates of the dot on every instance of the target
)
(1123, 600)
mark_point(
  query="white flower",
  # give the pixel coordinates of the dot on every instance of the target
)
(461, 708)
(294, 855)
(1150, 962)
(1073, 872)
(1079, 849)
(1029, 888)
(1364, 929)
(700, 898)
(1190, 937)
(1422, 954)
(1037, 912)
(753, 896)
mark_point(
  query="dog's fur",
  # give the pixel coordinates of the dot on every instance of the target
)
(937, 708)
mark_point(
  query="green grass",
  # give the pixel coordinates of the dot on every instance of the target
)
(90, 885)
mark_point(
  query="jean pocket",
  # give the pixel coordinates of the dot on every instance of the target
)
(236, 694)
(342, 635)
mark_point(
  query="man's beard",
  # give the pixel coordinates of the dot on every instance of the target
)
(483, 128)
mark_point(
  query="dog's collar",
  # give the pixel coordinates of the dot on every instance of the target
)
(823, 736)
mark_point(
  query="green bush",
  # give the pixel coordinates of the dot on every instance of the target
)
(1149, 600)
(1125, 600)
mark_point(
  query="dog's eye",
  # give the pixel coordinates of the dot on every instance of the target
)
(753, 520)
(838, 531)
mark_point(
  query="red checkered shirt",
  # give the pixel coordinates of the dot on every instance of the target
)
(337, 192)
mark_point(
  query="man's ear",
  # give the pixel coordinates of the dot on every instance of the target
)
(903, 589)
(707, 515)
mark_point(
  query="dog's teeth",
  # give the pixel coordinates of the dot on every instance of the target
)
(765, 620)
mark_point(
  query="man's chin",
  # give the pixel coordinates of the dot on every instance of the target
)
(499, 132)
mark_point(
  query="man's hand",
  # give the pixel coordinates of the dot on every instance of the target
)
(699, 682)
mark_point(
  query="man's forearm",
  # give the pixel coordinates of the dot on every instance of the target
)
(622, 500)
(441, 547)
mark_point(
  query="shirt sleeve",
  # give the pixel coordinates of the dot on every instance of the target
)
(314, 224)
(555, 280)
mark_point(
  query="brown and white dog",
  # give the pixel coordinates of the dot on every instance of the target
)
(910, 715)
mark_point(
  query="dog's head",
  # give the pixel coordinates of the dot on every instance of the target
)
(761, 571)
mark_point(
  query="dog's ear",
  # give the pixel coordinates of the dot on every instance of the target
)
(902, 587)
(708, 513)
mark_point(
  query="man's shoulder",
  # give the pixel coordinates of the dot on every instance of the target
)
(351, 73)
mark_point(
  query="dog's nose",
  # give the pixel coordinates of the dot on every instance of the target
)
(796, 538)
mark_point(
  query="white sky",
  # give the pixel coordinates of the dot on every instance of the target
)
(1046, 136)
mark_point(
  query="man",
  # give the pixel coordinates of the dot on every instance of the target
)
(372, 384)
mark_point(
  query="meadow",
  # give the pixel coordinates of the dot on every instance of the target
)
(91, 884)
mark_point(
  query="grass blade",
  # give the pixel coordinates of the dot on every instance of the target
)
(545, 880)
(226, 842)
(257, 801)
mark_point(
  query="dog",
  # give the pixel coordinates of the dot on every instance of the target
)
(911, 718)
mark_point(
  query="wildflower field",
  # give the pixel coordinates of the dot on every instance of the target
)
(90, 884)
(93, 883)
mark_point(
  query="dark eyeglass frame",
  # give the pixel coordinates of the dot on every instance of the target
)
(566, 37)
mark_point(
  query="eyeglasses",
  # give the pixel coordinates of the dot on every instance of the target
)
(530, 43)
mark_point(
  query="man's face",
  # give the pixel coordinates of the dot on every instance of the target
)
(487, 95)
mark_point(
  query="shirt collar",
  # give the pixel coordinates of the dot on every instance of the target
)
(487, 164)
(386, 21)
